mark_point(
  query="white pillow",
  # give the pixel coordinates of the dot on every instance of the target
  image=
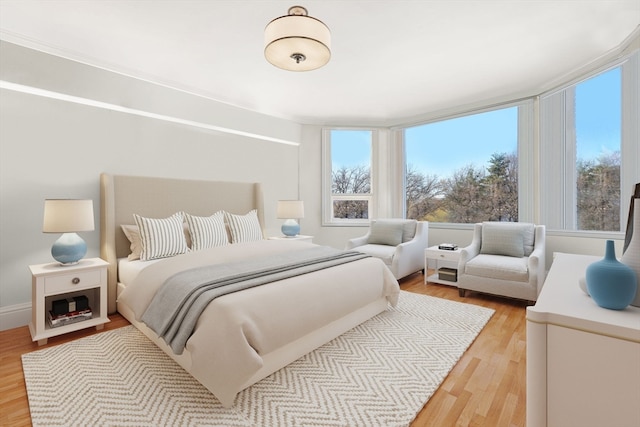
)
(386, 233)
(207, 232)
(161, 238)
(244, 228)
(503, 238)
(133, 234)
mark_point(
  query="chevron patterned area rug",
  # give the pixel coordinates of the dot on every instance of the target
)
(380, 373)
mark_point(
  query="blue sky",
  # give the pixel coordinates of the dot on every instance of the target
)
(443, 147)
(598, 115)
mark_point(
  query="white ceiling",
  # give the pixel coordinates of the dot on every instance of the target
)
(392, 61)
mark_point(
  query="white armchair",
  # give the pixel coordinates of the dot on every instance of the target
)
(400, 243)
(504, 258)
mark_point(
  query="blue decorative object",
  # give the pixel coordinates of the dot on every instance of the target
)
(69, 249)
(610, 283)
(68, 216)
(290, 228)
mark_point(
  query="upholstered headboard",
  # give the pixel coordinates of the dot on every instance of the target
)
(121, 196)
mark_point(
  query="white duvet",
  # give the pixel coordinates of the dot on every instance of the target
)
(238, 331)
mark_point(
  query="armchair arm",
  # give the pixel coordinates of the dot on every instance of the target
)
(409, 256)
(357, 241)
(537, 260)
(469, 252)
(533, 264)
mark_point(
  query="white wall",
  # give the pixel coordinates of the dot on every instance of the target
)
(51, 148)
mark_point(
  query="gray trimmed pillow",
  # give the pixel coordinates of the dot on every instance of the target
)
(161, 237)
(504, 238)
(244, 228)
(132, 233)
(386, 233)
(207, 232)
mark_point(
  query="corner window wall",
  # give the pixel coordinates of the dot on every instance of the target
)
(568, 159)
(348, 173)
(464, 169)
(589, 147)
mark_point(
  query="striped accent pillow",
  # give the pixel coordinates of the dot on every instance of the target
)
(207, 232)
(244, 228)
(161, 238)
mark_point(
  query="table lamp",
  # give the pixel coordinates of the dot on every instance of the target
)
(290, 210)
(68, 216)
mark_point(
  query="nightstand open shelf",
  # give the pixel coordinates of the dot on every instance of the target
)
(52, 282)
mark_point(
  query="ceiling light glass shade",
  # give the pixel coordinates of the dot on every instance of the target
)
(68, 216)
(297, 42)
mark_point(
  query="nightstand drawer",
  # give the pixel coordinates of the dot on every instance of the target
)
(71, 282)
(443, 255)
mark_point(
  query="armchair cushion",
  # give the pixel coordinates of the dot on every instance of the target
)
(384, 252)
(386, 233)
(509, 239)
(499, 267)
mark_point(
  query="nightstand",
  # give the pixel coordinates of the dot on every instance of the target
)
(442, 258)
(52, 281)
(298, 237)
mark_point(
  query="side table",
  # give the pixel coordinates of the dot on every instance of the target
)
(442, 258)
(53, 281)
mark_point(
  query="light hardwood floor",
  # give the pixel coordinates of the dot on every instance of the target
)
(485, 388)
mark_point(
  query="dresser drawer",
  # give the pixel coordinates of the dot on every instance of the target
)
(443, 255)
(72, 281)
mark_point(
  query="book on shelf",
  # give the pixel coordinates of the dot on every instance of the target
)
(447, 246)
(56, 320)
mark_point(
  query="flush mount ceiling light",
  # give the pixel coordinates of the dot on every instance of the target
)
(297, 42)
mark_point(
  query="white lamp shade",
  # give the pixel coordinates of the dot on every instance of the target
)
(291, 35)
(67, 215)
(290, 209)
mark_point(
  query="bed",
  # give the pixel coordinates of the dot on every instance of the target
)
(242, 337)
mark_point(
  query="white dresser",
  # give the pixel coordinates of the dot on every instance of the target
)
(583, 361)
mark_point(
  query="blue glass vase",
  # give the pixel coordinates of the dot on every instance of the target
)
(610, 283)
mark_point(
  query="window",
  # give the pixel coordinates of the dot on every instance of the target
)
(348, 176)
(464, 169)
(590, 151)
(597, 129)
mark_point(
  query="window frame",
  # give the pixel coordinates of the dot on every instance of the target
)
(526, 152)
(558, 196)
(328, 197)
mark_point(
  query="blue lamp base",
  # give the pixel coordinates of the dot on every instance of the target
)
(69, 249)
(290, 228)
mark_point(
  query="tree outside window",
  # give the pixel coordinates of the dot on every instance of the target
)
(350, 174)
(597, 110)
(463, 170)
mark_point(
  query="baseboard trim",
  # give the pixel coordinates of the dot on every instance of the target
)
(15, 316)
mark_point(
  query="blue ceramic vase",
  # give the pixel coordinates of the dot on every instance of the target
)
(610, 283)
